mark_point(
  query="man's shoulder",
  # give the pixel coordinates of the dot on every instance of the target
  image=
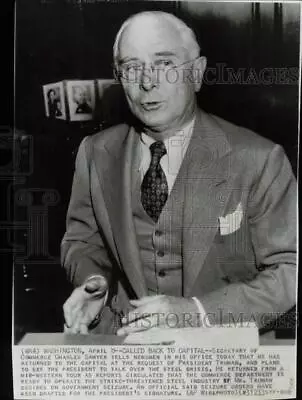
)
(241, 138)
(110, 135)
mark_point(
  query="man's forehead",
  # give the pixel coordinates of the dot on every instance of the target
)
(150, 35)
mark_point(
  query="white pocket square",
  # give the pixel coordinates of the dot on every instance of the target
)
(231, 222)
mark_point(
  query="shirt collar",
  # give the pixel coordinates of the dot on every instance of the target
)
(182, 136)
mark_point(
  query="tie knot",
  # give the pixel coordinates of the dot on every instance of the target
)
(158, 149)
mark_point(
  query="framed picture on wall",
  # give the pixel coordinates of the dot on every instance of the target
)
(80, 99)
(103, 85)
(53, 94)
(110, 101)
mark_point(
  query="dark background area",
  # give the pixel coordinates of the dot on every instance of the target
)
(60, 40)
(6, 178)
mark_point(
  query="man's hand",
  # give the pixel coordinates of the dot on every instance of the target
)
(160, 311)
(84, 305)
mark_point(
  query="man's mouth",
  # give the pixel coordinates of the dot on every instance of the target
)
(151, 105)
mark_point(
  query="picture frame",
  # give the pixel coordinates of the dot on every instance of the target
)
(54, 101)
(80, 99)
(103, 85)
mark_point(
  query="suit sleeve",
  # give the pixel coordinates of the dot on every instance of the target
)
(83, 253)
(272, 222)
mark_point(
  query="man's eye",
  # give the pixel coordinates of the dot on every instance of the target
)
(132, 68)
(164, 63)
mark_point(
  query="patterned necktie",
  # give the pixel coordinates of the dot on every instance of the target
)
(154, 189)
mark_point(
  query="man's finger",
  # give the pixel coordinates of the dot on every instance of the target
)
(124, 331)
(92, 286)
(145, 311)
(71, 306)
(144, 307)
(140, 325)
(83, 328)
(96, 286)
(88, 317)
(136, 314)
(75, 313)
(67, 329)
(145, 300)
(75, 328)
(68, 315)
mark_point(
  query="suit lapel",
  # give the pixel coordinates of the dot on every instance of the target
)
(207, 179)
(114, 172)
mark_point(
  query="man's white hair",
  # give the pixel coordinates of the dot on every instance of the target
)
(187, 35)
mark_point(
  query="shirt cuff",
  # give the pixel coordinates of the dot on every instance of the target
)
(202, 312)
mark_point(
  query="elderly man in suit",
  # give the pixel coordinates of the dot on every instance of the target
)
(180, 218)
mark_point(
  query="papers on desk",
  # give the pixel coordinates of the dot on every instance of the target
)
(217, 336)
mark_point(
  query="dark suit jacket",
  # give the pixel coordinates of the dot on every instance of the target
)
(239, 248)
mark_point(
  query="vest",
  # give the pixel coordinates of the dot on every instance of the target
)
(160, 242)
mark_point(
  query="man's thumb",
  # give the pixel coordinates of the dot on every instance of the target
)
(96, 285)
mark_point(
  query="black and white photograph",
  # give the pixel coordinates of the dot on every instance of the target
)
(81, 99)
(54, 100)
(159, 232)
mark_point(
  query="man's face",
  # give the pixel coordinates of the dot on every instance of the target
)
(52, 95)
(161, 100)
(79, 95)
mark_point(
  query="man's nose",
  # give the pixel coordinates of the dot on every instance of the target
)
(148, 78)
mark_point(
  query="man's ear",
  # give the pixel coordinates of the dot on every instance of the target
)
(199, 67)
